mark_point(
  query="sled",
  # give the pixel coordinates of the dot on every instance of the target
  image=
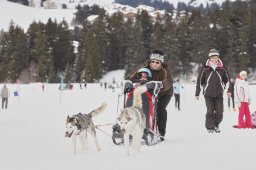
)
(151, 135)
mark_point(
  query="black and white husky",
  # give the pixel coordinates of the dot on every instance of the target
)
(78, 126)
(132, 121)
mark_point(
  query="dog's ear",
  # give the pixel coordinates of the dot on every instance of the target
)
(68, 118)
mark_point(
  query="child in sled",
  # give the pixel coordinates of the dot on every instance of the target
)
(144, 75)
(242, 98)
(149, 102)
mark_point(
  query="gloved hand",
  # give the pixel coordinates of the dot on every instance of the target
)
(150, 86)
(128, 87)
(249, 101)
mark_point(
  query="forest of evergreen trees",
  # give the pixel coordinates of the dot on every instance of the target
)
(45, 51)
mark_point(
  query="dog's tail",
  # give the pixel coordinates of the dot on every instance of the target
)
(137, 100)
(97, 111)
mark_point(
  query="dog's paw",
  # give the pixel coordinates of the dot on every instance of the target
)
(104, 105)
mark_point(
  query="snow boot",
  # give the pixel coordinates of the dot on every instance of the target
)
(217, 129)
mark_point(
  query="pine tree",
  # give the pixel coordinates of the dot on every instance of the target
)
(95, 49)
(171, 49)
(117, 42)
(79, 63)
(185, 45)
(14, 53)
(200, 36)
(51, 36)
(158, 34)
(239, 30)
(37, 53)
(135, 53)
(59, 47)
(145, 27)
(63, 49)
(251, 34)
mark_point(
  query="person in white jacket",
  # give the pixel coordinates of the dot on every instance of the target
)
(242, 99)
(177, 87)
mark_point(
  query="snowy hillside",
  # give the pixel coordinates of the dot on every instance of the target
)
(196, 3)
(73, 3)
(101, 3)
(117, 76)
(33, 127)
(104, 3)
(23, 16)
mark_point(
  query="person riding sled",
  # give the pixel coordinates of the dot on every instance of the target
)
(160, 72)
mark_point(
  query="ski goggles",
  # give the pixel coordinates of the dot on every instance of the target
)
(143, 75)
(157, 62)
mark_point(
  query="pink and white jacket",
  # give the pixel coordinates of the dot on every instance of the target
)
(241, 91)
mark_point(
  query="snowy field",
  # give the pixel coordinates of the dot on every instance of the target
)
(32, 134)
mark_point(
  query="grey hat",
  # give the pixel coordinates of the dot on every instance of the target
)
(213, 52)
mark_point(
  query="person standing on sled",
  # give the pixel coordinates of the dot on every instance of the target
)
(213, 77)
(160, 72)
(243, 100)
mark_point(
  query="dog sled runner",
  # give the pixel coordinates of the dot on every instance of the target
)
(149, 100)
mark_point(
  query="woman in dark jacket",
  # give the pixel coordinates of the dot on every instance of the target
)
(160, 72)
(213, 77)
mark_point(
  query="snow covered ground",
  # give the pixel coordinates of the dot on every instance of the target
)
(23, 16)
(32, 133)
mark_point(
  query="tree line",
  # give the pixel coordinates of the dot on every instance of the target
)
(46, 50)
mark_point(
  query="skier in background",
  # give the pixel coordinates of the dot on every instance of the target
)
(5, 95)
(177, 90)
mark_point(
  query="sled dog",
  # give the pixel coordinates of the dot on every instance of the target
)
(78, 126)
(132, 121)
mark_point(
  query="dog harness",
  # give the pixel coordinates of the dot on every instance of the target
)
(84, 121)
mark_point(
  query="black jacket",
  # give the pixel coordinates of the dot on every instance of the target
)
(212, 81)
(231, 88)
